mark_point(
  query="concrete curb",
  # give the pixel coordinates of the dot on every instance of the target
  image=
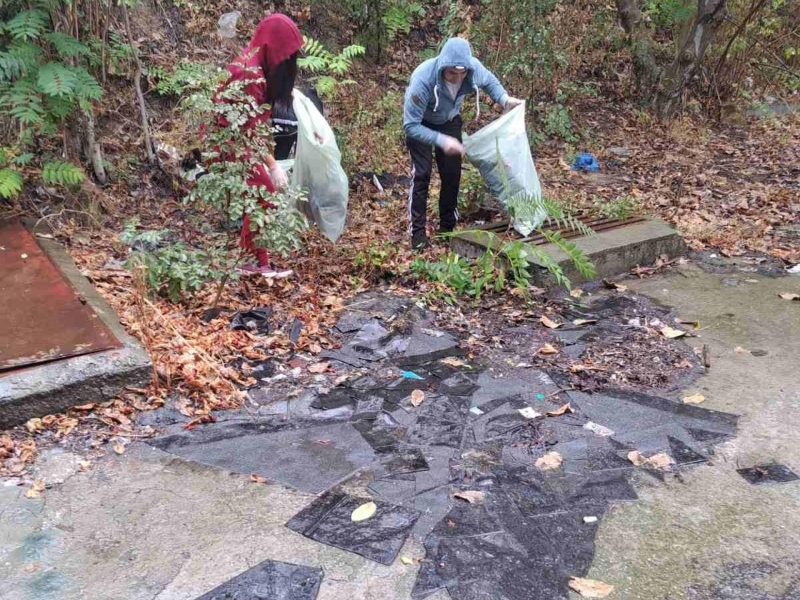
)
(53, 387)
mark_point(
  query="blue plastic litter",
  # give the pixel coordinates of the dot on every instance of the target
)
(586, 162)
(540, 396)
(411, 375)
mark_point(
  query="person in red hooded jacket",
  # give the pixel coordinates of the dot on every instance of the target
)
(271, 56)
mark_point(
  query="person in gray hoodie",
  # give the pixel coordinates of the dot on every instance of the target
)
(432, 119)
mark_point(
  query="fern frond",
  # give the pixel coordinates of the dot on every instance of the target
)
(326, 85)
(549, 263)
(58, 107)
(576, 256)
(23, 102)
(28, 24)
(61, 173)
(312, 47)
(56, 79)
(351, 52)
(66, 45)
(10, 183)
(86, 86)
(315, 64)
(11, 67)
(30, 54)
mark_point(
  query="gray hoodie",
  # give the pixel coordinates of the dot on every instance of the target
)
(427, 98)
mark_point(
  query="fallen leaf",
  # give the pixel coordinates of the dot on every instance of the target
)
(363, 512)
(33, 425)
(740, 350)
(547, 349)
(694, 399)
(560, 410)
(671, 333)
(590, 588)
(789, 296)
(89, 406)
(576, 293)
(453, 362)
(119, 448)
(549, 462)
(549, 322)
(657, 461)
(579, 322)
(615, 286)
(324, 442)
(319, 367)
(406, 561)
(84, 465)
(36, 489)
(471, 496)
(257, 478)
(417, 396)
(315, 348)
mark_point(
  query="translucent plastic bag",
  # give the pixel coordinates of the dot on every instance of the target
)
(318, 170)
(506, 137)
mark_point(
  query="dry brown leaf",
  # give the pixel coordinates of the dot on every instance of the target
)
(657, 461)
(694, 399)
(590, 588)
(789, 296)
(257, 478)
(36, 489)
(614, 286)
(471, 496)
(119, 448)
(671, 333)
(549, 462)
(317, 368)
(549, 323)
(547, 349)
(560, 410)
(417, 397)
(34, 425)
(89, 406)
(579, 322)
(576, 293)
(452, 362)
(636, 458)
(315, 348)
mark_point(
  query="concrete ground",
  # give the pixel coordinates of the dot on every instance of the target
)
(148, 526)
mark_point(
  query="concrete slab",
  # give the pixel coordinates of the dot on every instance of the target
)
(612, 252)
(55, 386)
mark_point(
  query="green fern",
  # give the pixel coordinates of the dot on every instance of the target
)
(11, 67)
(315, 64)
(66, 45)
(326, 85)
(61, 173)
(576, 256)
(28, 24)
(86, 87)
(23, 102)
(10, 183)
(56, 79)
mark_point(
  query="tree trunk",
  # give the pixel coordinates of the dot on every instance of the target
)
(93, 150)
(710, 15)
(646, 71)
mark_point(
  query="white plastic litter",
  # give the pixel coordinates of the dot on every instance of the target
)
(318, 169)
(506, 137)
(529, 413)
(226, 26)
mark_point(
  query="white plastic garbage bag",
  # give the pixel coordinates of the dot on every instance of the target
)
(506, 137)
(318, 170)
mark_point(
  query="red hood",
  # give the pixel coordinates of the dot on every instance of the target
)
(276, 38)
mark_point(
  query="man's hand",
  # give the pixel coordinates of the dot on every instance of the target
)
(279, 177)
(512, 103)
(452, 147)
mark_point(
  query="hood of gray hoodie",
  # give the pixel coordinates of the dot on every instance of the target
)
(427, 98)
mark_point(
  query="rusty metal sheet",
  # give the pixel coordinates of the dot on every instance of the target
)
(41, 317)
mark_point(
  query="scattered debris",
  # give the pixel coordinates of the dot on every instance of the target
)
(476, 411)
(547, 349)
(363, 512)
(119, 448)
(255, 320)
(321, 367)
(671, 333)
(612, 285)
(772, 473)
(549, 462)
(257, 478)
(590, 588)
(529, 413)
(789, 296)
(740, 350)
(411, 375)
(576, 293)
(598, 429)
(579, 322)
(406, 561)
(417, 397)
(694, 399)
(706, 354)
(589, 520)
(453, 362)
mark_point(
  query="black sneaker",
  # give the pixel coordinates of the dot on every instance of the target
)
(420, 242)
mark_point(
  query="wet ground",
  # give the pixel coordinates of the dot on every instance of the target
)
(447, 446)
